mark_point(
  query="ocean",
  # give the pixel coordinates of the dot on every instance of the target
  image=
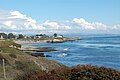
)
(100, 50)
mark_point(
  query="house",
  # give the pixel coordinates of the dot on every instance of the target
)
(3, 36)
(41, 36)
(60, 36)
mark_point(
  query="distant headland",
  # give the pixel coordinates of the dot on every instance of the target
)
(22, 39)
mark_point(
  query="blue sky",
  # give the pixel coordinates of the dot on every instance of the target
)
(106, 11)
(102, 11)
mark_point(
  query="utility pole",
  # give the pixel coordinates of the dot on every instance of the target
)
(4, 68)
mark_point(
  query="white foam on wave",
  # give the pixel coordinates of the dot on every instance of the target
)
(98, 45)
(62, 55)
(66, 49)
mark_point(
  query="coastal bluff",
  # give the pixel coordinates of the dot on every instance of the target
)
(18, 62)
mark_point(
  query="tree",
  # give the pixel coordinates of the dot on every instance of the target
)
(20, 36)
(11, 36)
(4, 35)
(55, 35)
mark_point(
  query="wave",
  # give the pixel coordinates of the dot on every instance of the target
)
(62, 55)
(99, 45)
(66, 49)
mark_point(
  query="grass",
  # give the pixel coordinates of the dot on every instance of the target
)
(26, 66)
(10, 55)
(13, 55)
(8, 43)
(5, 47)
(19, 64)
(10, 50)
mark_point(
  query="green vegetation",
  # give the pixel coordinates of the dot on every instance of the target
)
(26, 66)
(11, 36)
(19, 64)
(10, 50)
(80, 72)
(3, 35)
(13, 55)
(8, 46)
(7, 43)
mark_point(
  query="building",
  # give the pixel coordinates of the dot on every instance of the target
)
(1, 37)
(60, 36)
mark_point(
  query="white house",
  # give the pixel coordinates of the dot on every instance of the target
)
(61, 36)
(1, 37)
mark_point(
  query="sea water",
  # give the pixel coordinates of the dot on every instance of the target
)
(95, 50)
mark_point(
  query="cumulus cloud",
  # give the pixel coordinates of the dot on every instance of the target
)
(7, 23)
(17, 14)
(87, 25)
(15, 21)
(55, 25)
(95, 27)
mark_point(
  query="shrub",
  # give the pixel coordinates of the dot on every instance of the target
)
(28, 67)
(13, 55)
(1, 58)
(80, 72)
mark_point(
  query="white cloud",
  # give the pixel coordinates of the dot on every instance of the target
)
(17, 14)
(95, 27)
(53, 25)
(83, 23)
(14, 21)
(67, 27)
(117, 26)
(87, 25)
(7, 23)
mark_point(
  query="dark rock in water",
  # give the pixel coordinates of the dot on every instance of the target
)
(48, 56)
(45, 49)
(36, 54)
(42, 49)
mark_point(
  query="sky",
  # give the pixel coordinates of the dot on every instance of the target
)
(60, 16)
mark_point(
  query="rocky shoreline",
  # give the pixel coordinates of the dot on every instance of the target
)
(36, 52)
(48, 40)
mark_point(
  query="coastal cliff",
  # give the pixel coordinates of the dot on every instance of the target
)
(18, 62)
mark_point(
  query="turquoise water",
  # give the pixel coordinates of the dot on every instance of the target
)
(95, 50)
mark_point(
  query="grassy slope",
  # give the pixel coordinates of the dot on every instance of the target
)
(6, 43)
(18, 62)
